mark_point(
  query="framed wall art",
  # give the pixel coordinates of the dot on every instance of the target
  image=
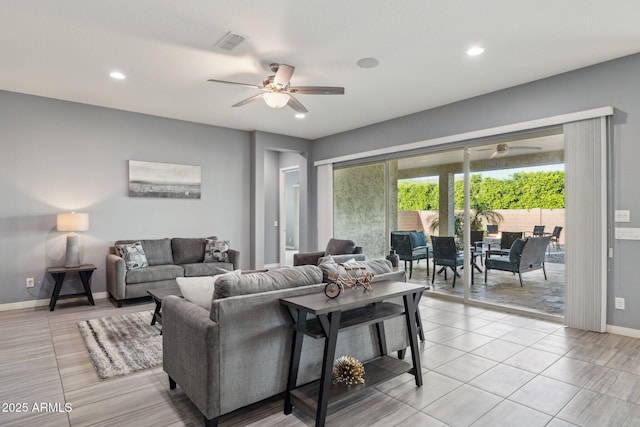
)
(164, 180)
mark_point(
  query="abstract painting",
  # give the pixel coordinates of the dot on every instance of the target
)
(164, 180)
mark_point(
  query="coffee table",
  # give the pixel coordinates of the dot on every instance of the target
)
(157, 295)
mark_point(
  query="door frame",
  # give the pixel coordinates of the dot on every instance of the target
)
(282, 213)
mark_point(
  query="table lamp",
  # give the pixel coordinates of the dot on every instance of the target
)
(72, 222)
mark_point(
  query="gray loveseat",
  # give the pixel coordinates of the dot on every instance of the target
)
(168, 259)
(238, 353)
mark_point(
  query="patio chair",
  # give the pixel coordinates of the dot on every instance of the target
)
(446, 254)
(477, 247)
(341, 250)
(525, 255)
(506, 240)
(410, 246)
(555, 236)
(538, 231)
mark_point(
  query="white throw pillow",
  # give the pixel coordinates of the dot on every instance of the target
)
(199, 290)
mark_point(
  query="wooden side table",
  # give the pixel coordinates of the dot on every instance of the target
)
(59, 273)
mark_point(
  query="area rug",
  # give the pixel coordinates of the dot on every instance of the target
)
(122, 344)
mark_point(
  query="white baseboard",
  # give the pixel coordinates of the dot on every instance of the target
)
(44, 302)
(627, 332)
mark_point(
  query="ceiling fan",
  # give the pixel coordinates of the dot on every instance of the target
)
(502, 149)
(277, 91)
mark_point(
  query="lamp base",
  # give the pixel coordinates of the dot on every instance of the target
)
(72, 257)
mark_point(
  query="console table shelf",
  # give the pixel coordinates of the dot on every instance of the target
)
(368, 315)
(376, 371)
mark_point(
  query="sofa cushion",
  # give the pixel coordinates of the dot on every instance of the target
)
(282, 278)
(199, 290)
(338, 246)
(205, 268)
(154, 273)
(158, 251)
(216, 250)
(187, 251)
(133, 255)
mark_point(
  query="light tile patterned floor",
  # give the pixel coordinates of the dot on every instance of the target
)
(481, 368)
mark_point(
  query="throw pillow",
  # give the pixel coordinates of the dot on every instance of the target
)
(133, 255)
(216, 251)
(199, 290)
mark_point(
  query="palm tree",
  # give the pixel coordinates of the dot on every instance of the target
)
(478, 212)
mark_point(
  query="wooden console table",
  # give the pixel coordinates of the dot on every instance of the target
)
(351, 309)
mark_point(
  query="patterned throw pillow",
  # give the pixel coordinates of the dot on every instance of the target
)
(133, 255)
(216, 250)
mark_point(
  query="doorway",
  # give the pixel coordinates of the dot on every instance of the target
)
(289, 217)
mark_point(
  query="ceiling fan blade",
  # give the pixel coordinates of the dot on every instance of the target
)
(283, 75)
(248, 100)
(296, 105)
(316, 90)
(235, 83)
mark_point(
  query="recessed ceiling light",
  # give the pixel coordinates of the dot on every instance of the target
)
(300, 115)
(117, 75)
(475, 51)
(368, 63)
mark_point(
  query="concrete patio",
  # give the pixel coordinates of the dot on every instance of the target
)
(503, 288)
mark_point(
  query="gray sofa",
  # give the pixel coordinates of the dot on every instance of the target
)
(168, 259)
(238, 353)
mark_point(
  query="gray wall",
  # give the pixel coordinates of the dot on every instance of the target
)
(271, 207)
(59, 156)
(614, 83)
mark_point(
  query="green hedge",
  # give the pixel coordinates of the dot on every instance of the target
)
(524, 190)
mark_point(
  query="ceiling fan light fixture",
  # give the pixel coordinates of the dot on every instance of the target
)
(276, 99)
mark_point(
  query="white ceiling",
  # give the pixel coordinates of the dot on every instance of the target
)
(66, 48)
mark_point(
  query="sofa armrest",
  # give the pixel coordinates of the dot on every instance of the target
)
(190, 352)
(234, 258)
(307, 258)
(116, 276)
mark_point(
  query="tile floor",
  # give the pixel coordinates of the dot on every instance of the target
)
(481, 368)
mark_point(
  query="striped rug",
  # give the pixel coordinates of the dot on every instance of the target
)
(122, 344)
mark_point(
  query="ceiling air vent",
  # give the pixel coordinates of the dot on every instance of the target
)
(230, 41)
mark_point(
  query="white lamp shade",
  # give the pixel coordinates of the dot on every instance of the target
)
(72, 221)
(276, 99)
